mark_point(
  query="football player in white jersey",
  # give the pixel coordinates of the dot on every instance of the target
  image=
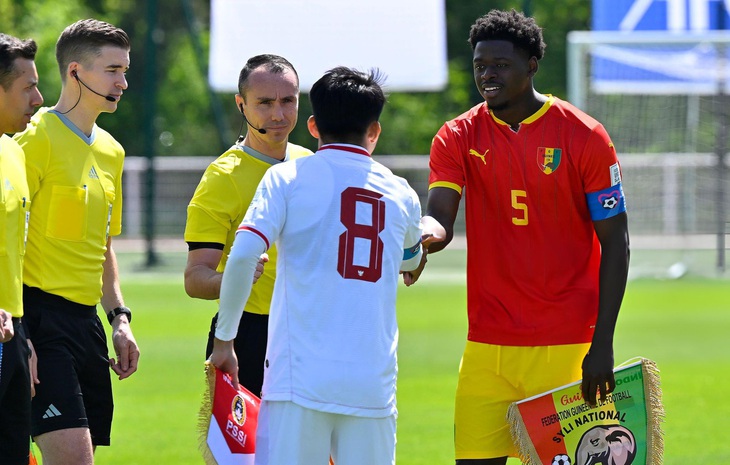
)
(345, 227)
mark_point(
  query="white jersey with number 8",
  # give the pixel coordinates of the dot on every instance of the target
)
(344, 227)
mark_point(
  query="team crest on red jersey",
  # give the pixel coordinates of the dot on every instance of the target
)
(548, 159)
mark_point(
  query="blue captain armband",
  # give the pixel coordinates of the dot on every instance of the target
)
(606, 203)
(412, 252)
(412, 257)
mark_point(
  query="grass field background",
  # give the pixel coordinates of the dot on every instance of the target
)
(681, 324)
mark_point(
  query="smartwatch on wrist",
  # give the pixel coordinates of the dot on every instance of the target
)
(119, 311)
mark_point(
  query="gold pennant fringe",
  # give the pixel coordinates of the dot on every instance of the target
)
(654, 412)
(205, 413)
(525, 448)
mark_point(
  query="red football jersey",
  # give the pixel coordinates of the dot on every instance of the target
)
(531, 198)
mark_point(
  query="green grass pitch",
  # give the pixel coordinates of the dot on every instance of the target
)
(682, 325)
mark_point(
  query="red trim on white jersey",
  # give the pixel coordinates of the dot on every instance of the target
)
(258, 233)
(346, 148)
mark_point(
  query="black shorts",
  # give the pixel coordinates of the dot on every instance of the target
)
(75, 389)
(15, 399)
(250, 348)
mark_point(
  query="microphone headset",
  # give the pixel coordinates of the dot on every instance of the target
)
(108, 97)
(260, 130)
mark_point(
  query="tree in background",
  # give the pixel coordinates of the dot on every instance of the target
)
(185, 124)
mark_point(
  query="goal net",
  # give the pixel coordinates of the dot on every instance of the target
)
(665, 100)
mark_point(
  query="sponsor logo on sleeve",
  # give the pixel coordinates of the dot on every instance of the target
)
(615, 174)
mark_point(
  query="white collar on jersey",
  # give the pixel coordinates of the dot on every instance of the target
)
(346, 147)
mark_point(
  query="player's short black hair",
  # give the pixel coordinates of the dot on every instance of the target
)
(12, 48)
(83, 40)
(346, 101)
(273, 63)
(511, 26)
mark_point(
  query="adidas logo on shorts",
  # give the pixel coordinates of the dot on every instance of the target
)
(51, 412)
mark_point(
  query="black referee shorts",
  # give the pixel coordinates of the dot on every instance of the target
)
(15, 399)
(75, 389)
(250, 348)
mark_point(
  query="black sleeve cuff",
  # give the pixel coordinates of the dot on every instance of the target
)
(205, 245)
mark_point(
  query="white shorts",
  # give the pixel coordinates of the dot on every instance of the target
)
(288, 434)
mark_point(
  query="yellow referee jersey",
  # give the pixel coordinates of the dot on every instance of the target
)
(220, 202)
(75, 183)
(14, 208)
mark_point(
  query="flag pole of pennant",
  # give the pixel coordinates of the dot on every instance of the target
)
(559, 428)
(227, 421)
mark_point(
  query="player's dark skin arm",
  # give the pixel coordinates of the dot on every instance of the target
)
(598, 375)
(442, 205)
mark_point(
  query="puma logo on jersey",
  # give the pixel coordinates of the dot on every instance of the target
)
(479, 155)
(92, 173)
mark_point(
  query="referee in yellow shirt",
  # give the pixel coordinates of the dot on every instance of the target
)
(19, 97)
(268, 99)
(74, 172)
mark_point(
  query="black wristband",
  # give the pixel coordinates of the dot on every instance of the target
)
(119, 311)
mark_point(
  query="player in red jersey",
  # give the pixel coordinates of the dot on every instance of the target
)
(547, 238)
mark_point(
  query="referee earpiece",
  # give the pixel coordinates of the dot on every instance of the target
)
(260, 130)
(240, 130)
(109, 98)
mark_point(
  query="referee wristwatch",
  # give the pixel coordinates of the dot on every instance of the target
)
(119, 311)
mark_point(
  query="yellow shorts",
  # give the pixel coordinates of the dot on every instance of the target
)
(491, 378)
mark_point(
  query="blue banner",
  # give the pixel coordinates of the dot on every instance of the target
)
(664, 66)
(660, 15)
